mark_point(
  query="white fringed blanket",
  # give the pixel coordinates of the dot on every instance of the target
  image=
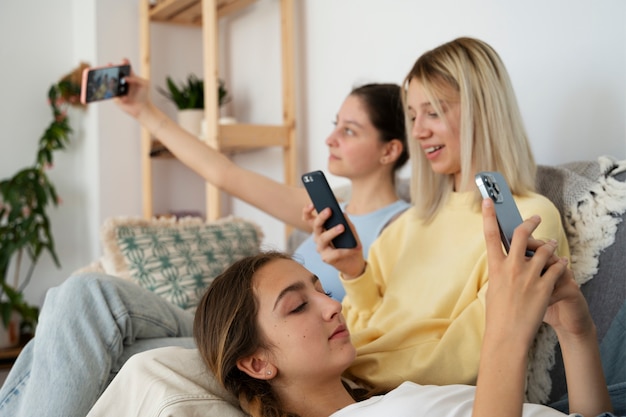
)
(592, 202)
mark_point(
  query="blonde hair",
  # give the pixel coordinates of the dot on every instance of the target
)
(492, 133)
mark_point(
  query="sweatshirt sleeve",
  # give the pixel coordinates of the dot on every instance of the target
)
(365, 293)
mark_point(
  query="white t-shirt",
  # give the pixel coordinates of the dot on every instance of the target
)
(413, 400)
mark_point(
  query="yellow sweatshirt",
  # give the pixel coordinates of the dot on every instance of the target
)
(418, 311)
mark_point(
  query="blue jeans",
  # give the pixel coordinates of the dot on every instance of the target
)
(88, 327)
(613, 354)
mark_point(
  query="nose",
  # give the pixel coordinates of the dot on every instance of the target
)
(331, 308)
(419, 130)
(331, 140)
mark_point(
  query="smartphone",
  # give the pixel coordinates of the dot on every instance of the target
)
(493, 185)
(101, 83)
(322, 196)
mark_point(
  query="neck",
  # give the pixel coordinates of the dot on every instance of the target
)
(314, 399)
(371, 194)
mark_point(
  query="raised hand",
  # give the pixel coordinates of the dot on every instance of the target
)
(522, 292)
(520, 288)
(138, 94)
(350, 262)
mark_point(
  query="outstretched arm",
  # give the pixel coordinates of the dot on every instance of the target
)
(522, 293)
(279, 200)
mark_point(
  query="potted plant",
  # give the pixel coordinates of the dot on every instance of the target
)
(189, 100)
(24, 223)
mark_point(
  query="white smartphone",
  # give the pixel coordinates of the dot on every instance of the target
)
(101, 83)
(322, 196)
(493, 185)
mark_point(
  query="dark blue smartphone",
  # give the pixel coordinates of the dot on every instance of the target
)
(322, 196)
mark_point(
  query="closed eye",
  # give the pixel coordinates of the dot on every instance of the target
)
(299, 309)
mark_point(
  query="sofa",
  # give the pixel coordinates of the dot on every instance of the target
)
(591, 196)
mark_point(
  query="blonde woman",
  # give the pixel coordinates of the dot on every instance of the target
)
(416, 308)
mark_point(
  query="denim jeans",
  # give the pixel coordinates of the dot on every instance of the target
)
(88, 327)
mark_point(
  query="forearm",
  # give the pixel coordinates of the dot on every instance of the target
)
(586, 385)
(501, 378)
(277, 199)
(186, 147)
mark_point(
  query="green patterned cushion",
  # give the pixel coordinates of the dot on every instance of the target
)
(176, 259)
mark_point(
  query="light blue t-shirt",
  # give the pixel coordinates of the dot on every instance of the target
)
(368, 227)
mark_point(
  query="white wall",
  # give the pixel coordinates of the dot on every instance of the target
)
(567, 59)
(41, 42)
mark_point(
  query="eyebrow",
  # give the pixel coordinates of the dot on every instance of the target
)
(349, 122)
(296, 286)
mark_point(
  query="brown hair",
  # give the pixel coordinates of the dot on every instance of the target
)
(383, 103)
(225, 330)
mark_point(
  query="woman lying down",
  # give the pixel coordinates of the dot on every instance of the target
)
(278, 343)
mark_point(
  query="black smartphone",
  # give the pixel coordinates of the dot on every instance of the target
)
(322, 196)
(101, 83)
(493, 185)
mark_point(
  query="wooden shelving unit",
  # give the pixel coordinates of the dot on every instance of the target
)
(225, 138)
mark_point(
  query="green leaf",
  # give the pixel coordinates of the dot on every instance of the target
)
(190, 93)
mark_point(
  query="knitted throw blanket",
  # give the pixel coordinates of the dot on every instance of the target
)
(591, 202)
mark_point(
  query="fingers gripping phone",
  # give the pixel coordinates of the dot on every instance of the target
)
(493, 185)
(322, 197)
(101, 83)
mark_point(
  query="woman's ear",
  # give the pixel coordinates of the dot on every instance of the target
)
(257, 366)
(393, 150)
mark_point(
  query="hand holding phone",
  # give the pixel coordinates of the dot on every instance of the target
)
(322, 196)
(493, 185)
(101, 83)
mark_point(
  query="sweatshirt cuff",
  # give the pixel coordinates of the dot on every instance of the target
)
(362, 291)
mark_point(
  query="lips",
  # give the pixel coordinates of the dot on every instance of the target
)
(432, 149)
(340, 331)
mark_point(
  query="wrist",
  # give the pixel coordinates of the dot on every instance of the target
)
(145, 115)
(356, 273)
(497, 342)
(581, 336)
(152, 119)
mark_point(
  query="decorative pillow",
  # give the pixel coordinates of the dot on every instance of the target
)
(176, 259)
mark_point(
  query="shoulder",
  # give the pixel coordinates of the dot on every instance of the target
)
(534, 203)
(394, 211)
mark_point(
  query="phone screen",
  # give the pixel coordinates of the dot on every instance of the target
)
(104, 82)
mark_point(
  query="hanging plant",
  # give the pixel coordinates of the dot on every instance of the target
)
(24, 201)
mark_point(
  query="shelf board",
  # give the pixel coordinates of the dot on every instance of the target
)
(10, 353)
(239, 137)
(190, 11)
